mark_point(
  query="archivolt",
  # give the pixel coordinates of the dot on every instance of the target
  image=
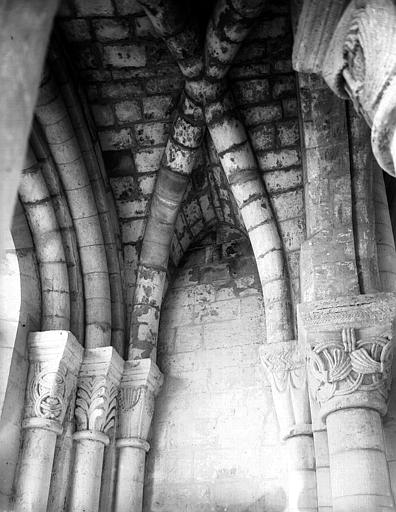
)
(37, 203)
(108, 220)
(72, 216)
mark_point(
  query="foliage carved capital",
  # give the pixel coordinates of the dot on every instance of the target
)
(285, 367)
(97, 390)
(140, 383)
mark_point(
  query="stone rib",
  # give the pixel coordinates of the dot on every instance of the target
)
(66, 153)
(173, 175)
(103, 198)
(49, 171)
(36, 200)
(228, 133)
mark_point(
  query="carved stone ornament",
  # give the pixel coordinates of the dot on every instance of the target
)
(285, 363)
(55, 358)
(359, 311)
(286, 370)
(97, 391)
(361, 63)
(316, 24)
(47, 390)
(348, 343)
(139, 386)
(350, 365)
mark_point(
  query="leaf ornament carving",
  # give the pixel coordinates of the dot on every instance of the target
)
(95, 404)
(363, 363)
(286, 367)
(342, 367)
(129, 397)
(338, 365)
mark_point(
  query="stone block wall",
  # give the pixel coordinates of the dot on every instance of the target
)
(215, 442)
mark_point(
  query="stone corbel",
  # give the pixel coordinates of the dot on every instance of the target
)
(140, 383)
(55, 358)
(316, 24)
(351, 45)
(361, 63)
(349, 348)
(286, 370)
(97, 391)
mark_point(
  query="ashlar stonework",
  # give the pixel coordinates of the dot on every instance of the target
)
(198, 268)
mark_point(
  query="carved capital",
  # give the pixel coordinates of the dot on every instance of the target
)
(350, 43)
(361, 63)
(349, 348)
(54, 362)
(140, 383)
(96, 399)
(286, 370)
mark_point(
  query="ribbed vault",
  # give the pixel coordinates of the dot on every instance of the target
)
(133, 59)
(162, 132)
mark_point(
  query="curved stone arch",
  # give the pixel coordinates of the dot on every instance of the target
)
(236, 155)
(237, 158)
(62, 212)
(36, 200)
(195, 350)
(56, 124)
(222, 210)
(88, 141)
(176, 166)
(210, 229)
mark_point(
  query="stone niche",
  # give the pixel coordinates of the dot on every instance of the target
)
(215, 441)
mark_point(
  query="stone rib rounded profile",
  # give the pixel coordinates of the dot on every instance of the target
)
(39, 209)
(55, 122)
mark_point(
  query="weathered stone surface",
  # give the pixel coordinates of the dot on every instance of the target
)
(349, 349)
(94, 7)
(124, 56)
(213, 398)
(216, 423)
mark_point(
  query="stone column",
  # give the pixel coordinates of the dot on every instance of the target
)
(286, 369)
(54, 358)
(96, 402)
(349, 347)
(140, 384)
